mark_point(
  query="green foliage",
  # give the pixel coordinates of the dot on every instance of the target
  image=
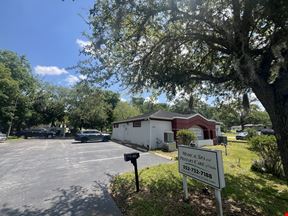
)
(20, 70)
(184, 105)
(251, 133)
(90, 107)
(185, 137)
(124, 110)
(17, 87)
(220, 47)
(148, 105)
(161, 187)
(266, 148)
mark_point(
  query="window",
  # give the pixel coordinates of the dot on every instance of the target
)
(168, 137)
(116, 125)
(137, 124)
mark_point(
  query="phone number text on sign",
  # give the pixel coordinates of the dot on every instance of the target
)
(202, 164)
(202, 173)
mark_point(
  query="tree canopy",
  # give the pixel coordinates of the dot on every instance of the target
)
(220, 46)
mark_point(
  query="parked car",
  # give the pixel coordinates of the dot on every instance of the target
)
(242, 135)
(36, 132)
(91, 135)
(2, 137)
(267, 131)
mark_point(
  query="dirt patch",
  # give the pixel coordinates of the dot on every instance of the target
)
(199, 203)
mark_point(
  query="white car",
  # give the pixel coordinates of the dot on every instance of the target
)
(242, 135)
(2, 137)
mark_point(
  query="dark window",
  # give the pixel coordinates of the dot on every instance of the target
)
(168, 137)
(137, 124)
(116, 125)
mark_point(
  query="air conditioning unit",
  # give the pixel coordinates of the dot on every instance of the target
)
(169, 143)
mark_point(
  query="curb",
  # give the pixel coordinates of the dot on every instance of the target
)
(163, 156)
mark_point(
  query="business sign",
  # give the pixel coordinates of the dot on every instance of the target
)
(202, 164)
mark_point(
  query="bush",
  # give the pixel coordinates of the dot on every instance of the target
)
(251, 133)
(185, 137)
(270, 161)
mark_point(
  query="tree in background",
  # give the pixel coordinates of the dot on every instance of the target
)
(224, 46)
(187, 104)
(49, 105)
(124, 110)
(150, 104)
(16, 73)
(90, 107)
(9, 89)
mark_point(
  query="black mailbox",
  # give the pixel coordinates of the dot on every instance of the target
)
(222, 140)
(131, 156)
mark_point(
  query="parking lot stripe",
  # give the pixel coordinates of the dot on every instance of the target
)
(100, 150)
(103, 159)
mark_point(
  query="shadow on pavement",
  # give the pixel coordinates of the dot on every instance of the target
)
(76, 201)
(131, 145)
(89, 142)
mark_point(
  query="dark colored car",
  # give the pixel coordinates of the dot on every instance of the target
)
(91, 135)
(36, 132)
(267, 131)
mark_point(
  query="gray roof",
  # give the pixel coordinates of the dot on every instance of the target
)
(165, 114)
(160, 114)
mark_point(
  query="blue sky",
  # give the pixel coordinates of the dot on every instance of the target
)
(49, 34)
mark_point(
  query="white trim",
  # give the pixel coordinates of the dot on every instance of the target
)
(163, 118)
(131, 120)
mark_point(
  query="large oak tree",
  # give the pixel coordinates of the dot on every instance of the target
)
(223, 45)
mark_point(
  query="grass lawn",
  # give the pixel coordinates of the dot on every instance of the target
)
(246, 192)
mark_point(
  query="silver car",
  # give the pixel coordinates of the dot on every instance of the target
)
(2, 137)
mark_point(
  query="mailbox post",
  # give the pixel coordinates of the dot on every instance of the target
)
(133, 158)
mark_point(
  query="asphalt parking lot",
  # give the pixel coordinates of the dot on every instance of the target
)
(62, 177)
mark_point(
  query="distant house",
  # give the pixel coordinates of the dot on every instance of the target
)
(254, 126)
(152, 130)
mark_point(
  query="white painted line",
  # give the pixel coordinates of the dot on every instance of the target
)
(100, 150)
(103, 159)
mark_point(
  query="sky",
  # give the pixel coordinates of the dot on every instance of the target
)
(50, 34)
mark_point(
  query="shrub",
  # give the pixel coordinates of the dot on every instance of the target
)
(270, 161)
(185, 137)
(251, 133)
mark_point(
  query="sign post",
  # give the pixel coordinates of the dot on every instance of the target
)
(185, 187)
(218, 202)
(203, 165)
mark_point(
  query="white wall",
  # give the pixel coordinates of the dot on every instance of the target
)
(136, 135)
(218, 130)
(207, 142)
(157, 132)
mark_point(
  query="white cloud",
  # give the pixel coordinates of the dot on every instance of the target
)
(49, 70)
(71, 79)
(123, 99)
(82, 43)
(85, 46)
(82, 77)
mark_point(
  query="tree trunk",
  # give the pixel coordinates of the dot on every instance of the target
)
(281, 134)
(277, 107)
